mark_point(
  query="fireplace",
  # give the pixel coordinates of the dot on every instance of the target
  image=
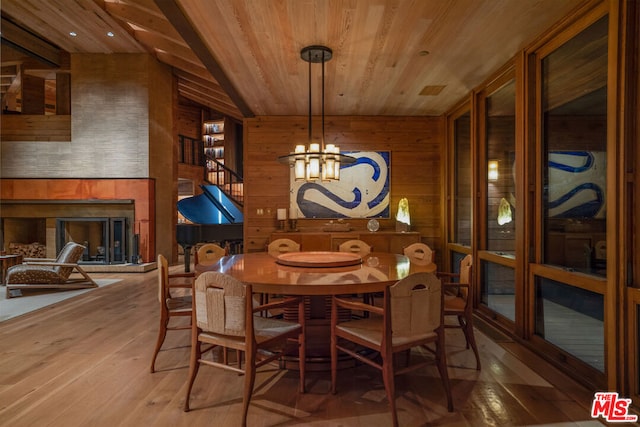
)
(108, 224)
(105, 239)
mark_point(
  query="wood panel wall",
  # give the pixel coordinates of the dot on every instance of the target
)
(415, 143)
(189, 122)
(35, 128)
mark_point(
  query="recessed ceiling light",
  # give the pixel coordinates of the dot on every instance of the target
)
(110, 34)
(73, 33)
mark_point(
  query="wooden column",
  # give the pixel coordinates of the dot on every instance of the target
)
(63, 93)
(32, 94)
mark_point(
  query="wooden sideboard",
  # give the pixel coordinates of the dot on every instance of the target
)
(380, 241)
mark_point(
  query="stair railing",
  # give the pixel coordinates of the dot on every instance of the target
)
(226, 179)
(191, 151)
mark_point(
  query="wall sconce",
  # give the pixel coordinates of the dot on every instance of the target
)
(492, 170)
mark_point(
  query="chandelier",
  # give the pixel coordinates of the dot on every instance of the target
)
(317, 161)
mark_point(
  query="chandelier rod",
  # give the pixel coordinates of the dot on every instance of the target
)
(322, 147)
(310, 111)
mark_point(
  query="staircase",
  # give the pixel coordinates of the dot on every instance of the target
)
(191, 152)
(225, 179)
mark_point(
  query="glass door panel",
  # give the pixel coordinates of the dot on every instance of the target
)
(574, 102)
(568, 281)
(497, 257)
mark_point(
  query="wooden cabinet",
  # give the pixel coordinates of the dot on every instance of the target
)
(380, 241)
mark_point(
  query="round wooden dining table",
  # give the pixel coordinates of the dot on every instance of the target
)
(267, 274)
(317, 279)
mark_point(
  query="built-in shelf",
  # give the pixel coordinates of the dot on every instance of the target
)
(213, 141)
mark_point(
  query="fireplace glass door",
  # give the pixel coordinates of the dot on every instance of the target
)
(103, 238)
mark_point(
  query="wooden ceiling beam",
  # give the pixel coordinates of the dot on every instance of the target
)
(181, 64)
(182, 24)
(208, 85)
(191, 88)
(157, 42)
(29, 43)
(214, 104)
(213, 95)
(143, 19)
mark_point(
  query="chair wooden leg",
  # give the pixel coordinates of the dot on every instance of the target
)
(194, 366)
(334, 365)
(302, 359)
(463, 324)
(249, 381)
(162, 334)
(441, 360)
(333, 345)
(471, 340)
(389, 385)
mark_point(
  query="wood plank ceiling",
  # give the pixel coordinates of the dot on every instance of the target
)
(242, 57)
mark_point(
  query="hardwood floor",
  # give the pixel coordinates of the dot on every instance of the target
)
(85, 362)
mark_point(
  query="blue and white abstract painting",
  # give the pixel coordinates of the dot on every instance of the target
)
(361, 192)
(577, 184)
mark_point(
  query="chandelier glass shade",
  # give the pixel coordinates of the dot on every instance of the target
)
(316, 161)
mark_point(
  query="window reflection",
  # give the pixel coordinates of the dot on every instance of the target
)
(572, 319)
(456, 257)
(575, 126)
(501, 191)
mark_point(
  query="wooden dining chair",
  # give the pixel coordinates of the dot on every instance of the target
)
(458, 303)
(208, 254)
(355, 246)
(282, 246)
(225, 316)
(275, 248)
(420, 254)
(411, 316)
(171, 306)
